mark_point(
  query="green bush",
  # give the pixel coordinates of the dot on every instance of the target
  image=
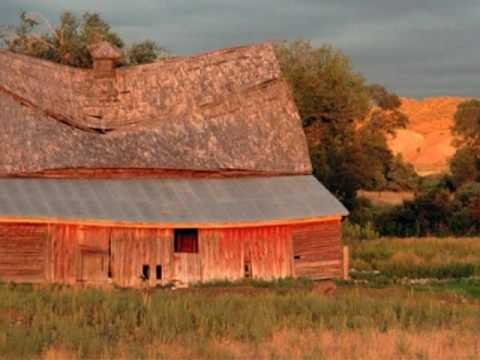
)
(428, 271)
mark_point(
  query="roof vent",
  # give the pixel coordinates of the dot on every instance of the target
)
(104, 55)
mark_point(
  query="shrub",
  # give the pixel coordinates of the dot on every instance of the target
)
(352, 231)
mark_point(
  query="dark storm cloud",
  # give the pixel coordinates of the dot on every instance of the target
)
(415, 47)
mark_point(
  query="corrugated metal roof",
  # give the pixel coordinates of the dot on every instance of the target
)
(175, 201)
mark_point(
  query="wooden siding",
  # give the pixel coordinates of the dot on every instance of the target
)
(78, 254)
(134, 248)
(317, 250)
(23, 252)
(74, 254)
(224, 252)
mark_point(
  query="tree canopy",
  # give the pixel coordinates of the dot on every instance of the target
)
(67, 42)
(466, 126)
(465, 164)
(346, 121)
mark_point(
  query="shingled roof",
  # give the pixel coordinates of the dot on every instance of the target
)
(219, 111)
(105, 50)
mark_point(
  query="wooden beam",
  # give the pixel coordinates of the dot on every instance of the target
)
(166, 225)
(110, 173)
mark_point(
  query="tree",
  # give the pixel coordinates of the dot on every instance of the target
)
(324, 85)
(386, 114)
(465, 166)
(401, 175)
(67, 43)
(144, 52)
(382, 169)
(348, 147)
(330, 97)
(466, 126)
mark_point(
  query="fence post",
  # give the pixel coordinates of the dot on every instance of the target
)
(346, 262)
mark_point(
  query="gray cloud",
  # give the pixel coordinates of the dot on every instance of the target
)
(415, 47)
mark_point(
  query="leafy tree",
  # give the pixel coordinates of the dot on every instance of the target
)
(67, 43)
(465, 166)
(385, 170)
(466, 126)
(383, 98)
(330, 97)
(401, 175)
(325, 87)
(386, 114)
(468, 194)
(428, 214)
(144, 52)
(348, 146)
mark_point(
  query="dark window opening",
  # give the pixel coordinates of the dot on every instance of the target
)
(297, 257)
(247, 270)
(186, 241)
(159, 272)
(146, 272)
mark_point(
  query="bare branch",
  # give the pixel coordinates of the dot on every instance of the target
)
(42, 18)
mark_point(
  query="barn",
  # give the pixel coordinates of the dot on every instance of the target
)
(187, 170)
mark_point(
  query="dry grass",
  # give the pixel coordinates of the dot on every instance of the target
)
(387, 198)
(320, 344)
(277, 322)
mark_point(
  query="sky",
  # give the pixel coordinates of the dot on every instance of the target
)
(416, 48)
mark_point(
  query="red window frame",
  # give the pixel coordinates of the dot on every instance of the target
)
(186, 241)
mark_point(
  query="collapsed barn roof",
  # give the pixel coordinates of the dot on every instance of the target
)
(220, 111)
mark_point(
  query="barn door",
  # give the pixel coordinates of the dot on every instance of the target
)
(141, 257)
(94, 267)
(94, 251)
(186, 258)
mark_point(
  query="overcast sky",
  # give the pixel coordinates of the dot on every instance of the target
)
(415, 47)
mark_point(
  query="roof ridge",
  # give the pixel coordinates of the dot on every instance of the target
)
(171, 59)
(106, 104)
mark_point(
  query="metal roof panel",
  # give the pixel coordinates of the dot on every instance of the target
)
(181, 200)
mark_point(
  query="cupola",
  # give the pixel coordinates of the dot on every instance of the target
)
(105, 55)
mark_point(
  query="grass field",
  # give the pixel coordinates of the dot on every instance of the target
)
(281, 321)
(287, 319)
(439, 258)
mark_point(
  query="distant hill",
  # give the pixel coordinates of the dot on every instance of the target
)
(427, 141)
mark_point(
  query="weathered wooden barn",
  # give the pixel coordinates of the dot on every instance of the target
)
(190, 169)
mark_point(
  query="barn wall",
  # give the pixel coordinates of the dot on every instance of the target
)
(23, 254)
(100, 255)
(78, 254)
(226, 252)
(132, 249)
(317, 250)
(75, 254)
